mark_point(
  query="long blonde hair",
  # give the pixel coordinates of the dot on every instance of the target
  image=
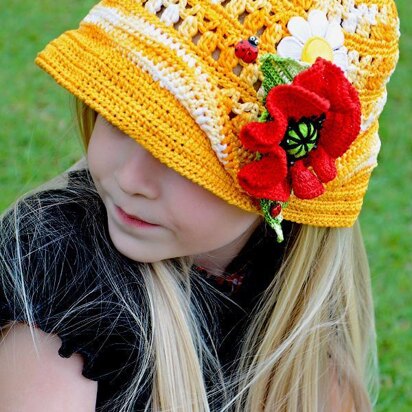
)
(311, 331)
(312, 328)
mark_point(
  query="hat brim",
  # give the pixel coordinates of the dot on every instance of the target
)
(88, 65)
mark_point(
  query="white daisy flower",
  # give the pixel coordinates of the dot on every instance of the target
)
(313, 38)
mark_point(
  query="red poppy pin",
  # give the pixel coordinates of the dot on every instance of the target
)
(309, 122)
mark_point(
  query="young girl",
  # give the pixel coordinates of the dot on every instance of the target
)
(206, 255)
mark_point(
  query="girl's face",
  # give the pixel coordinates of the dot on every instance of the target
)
(154, 213)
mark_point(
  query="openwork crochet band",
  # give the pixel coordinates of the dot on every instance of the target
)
(187, 80)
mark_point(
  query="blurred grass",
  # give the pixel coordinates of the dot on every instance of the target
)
(37, 136)
(387, 226)
(38, 140)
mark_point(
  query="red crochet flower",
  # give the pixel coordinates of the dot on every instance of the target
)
(313, 121)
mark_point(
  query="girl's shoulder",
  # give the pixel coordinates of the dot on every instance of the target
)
(57, 267)
(45, 229)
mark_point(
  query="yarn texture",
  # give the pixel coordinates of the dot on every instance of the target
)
(166, 73)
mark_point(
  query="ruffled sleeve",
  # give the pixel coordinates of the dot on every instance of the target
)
(53, 276)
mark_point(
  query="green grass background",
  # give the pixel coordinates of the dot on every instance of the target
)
(38, 140)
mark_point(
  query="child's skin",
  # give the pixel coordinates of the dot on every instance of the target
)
(127, 175)
(187, 220)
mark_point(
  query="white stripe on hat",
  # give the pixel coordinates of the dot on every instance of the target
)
(198, 97)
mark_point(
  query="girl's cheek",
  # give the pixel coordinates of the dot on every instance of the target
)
(100, 154)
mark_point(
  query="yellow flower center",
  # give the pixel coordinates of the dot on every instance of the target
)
(316, 47)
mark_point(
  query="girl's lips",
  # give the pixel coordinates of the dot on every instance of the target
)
(132, 220)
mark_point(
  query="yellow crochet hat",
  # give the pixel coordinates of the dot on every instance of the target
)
(186, 80)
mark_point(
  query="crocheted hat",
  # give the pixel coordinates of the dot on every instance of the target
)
(272, 105)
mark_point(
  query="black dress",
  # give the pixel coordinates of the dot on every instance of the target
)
(59, 253)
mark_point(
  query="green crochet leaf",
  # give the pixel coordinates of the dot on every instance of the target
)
(264, 117)
(278, 70)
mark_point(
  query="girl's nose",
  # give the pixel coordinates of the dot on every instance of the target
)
(139, 172)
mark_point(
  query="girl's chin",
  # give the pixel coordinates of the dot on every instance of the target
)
(139, 250)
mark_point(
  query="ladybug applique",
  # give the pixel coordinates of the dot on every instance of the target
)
(275, 209)
(247, 50)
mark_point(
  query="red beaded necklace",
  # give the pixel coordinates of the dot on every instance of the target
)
(232, 281)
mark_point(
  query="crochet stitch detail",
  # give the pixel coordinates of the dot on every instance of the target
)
(168, 68)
